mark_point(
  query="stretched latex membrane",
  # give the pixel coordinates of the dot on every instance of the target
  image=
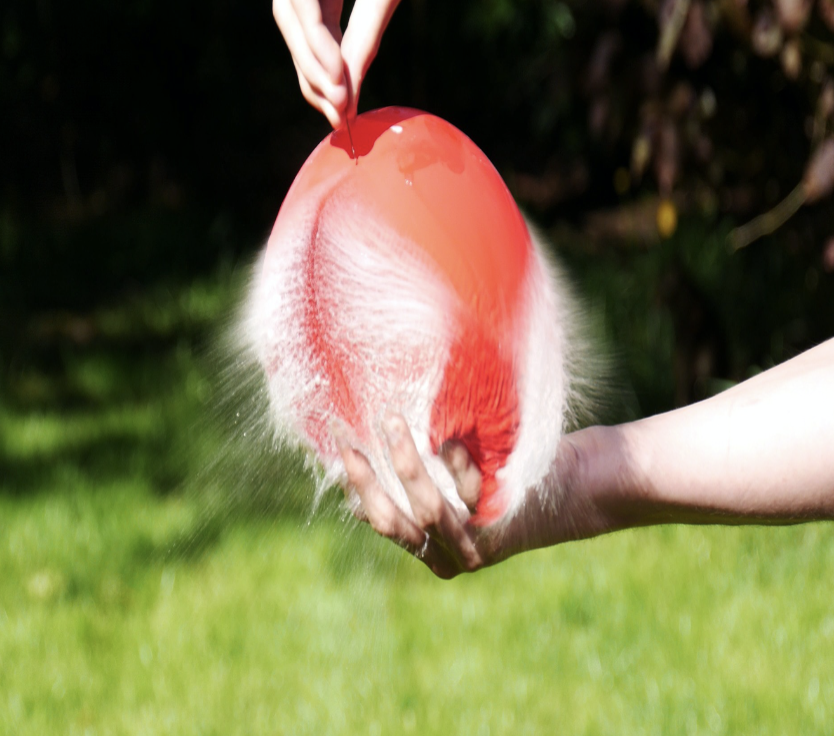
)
(404, 278)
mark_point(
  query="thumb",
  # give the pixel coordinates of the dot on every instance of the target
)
(464, 472)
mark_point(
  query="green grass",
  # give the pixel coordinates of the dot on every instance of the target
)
(131, 602)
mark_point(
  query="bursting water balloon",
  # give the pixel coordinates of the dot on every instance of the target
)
(406, 279)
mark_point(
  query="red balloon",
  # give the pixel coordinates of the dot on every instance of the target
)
(400, 275)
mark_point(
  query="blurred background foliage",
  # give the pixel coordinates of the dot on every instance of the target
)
(145, 145)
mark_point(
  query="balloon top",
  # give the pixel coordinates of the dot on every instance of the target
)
(428, 182)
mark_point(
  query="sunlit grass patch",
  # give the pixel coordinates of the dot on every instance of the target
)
(151, 586)
(282, 627)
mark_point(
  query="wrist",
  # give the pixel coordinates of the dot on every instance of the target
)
(590, 491)
(604, 477)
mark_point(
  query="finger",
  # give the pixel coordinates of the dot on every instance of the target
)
(431, 511)
(383, 514)
(389, 521)
(334, 117)
(339, 433)
(318, 81)
(319, 37)
(367, 23)
(354, 504)
(401, 530)
(464, 472)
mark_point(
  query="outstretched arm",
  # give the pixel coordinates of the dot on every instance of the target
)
(761, 452)
(331, 69)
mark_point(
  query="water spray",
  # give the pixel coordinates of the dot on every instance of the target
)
(412, 283)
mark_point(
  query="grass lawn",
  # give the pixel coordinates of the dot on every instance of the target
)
(135, 601)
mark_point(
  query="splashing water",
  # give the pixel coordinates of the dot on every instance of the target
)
(405, 279)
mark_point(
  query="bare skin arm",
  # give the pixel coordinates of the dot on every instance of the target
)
(759, 453)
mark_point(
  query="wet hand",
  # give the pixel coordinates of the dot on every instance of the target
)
(582, 496)
(440, 535)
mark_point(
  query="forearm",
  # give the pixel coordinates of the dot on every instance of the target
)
(761, 452)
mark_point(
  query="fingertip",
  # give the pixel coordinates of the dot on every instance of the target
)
(350, 457)
(469, 490)
(334, 117)
(454, 456)
(338, 98)
(358, 469)
(354, 504)
(394, 427)
(464, 472)
(338, 432)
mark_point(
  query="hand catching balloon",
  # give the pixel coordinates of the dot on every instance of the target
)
(403, 279)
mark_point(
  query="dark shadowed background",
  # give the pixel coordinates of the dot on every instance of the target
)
(144, 143)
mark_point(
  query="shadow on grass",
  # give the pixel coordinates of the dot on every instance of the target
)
(186, 545)
(91, 462)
